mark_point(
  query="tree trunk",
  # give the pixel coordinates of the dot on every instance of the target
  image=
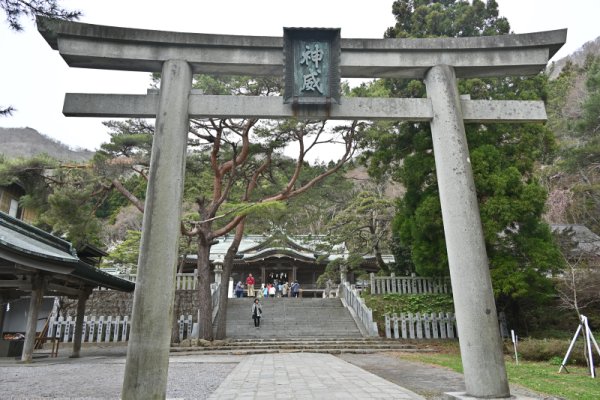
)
(382, 265)
(227, 267)
(205, 306)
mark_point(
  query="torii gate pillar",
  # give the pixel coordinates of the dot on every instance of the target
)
(476, 318)
(149, 342)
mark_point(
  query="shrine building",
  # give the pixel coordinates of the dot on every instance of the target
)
(283, 258)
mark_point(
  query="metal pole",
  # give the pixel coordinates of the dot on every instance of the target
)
(564, 362)
(588, 346)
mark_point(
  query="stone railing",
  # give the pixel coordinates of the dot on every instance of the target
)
(353, 301)
(409, 285)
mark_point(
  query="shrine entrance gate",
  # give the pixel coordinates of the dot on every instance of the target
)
(439, 62)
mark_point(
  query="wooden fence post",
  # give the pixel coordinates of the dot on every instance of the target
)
(388, 334)
(434, 325)
(190, 326)
(372, 275)
(427, 323)
(92, 328)
(411, 326)
(100, 329)
(181, 327)
(450, 324)
(419, 326)
(108, 328)
(68, 329)
(125, 328)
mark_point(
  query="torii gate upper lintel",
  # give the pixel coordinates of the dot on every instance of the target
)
(437, 61)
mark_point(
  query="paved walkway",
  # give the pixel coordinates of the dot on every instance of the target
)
(305, 376)
(98, 374)
(427, 380)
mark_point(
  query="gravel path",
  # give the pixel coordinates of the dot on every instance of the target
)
(101, 376)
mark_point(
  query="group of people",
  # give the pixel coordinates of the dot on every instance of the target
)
(278, 289)
(275, 289)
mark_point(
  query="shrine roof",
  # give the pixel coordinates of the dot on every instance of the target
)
(25, 249)
(280, 245)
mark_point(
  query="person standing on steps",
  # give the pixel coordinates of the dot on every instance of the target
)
(250, 285)
(256, 312)
(261, 291)
(271, 290)
(239, 290)
(295, 289)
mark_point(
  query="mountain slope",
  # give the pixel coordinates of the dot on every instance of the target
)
(578, 57)
(27, 142)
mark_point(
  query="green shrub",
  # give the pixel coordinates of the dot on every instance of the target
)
(412, 303)
(550, 350)
(555, 360)
(394, 303)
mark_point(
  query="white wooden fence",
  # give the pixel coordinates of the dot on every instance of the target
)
(420, 326)
(187, 281)
(409, 285)
(104, 329)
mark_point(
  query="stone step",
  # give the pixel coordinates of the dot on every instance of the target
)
(291, 317)
(315, 339)
(207, 351)
(275, 335)
(312, 345)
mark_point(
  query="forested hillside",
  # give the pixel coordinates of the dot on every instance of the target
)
(574, 117)
(27, 142)
(578, 57)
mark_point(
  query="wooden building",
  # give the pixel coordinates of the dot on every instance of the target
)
(283, 258)
(35, 264)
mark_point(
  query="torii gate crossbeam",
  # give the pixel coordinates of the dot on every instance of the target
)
(178, 55)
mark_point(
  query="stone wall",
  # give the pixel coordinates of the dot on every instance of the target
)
(111, 302)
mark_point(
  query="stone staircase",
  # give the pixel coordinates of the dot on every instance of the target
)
(292, 325)
(285, 318)
(297, 345)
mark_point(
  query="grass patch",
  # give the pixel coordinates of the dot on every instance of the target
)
(542, 377)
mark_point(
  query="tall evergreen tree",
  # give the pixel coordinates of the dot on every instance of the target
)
(519, 244)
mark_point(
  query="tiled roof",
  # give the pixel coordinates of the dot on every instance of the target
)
(27, 245)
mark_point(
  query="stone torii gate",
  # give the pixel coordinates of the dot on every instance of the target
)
(177, 56)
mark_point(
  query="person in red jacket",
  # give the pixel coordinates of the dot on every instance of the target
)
(250, 285)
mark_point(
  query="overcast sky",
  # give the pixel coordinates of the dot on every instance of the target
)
(34, 78)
